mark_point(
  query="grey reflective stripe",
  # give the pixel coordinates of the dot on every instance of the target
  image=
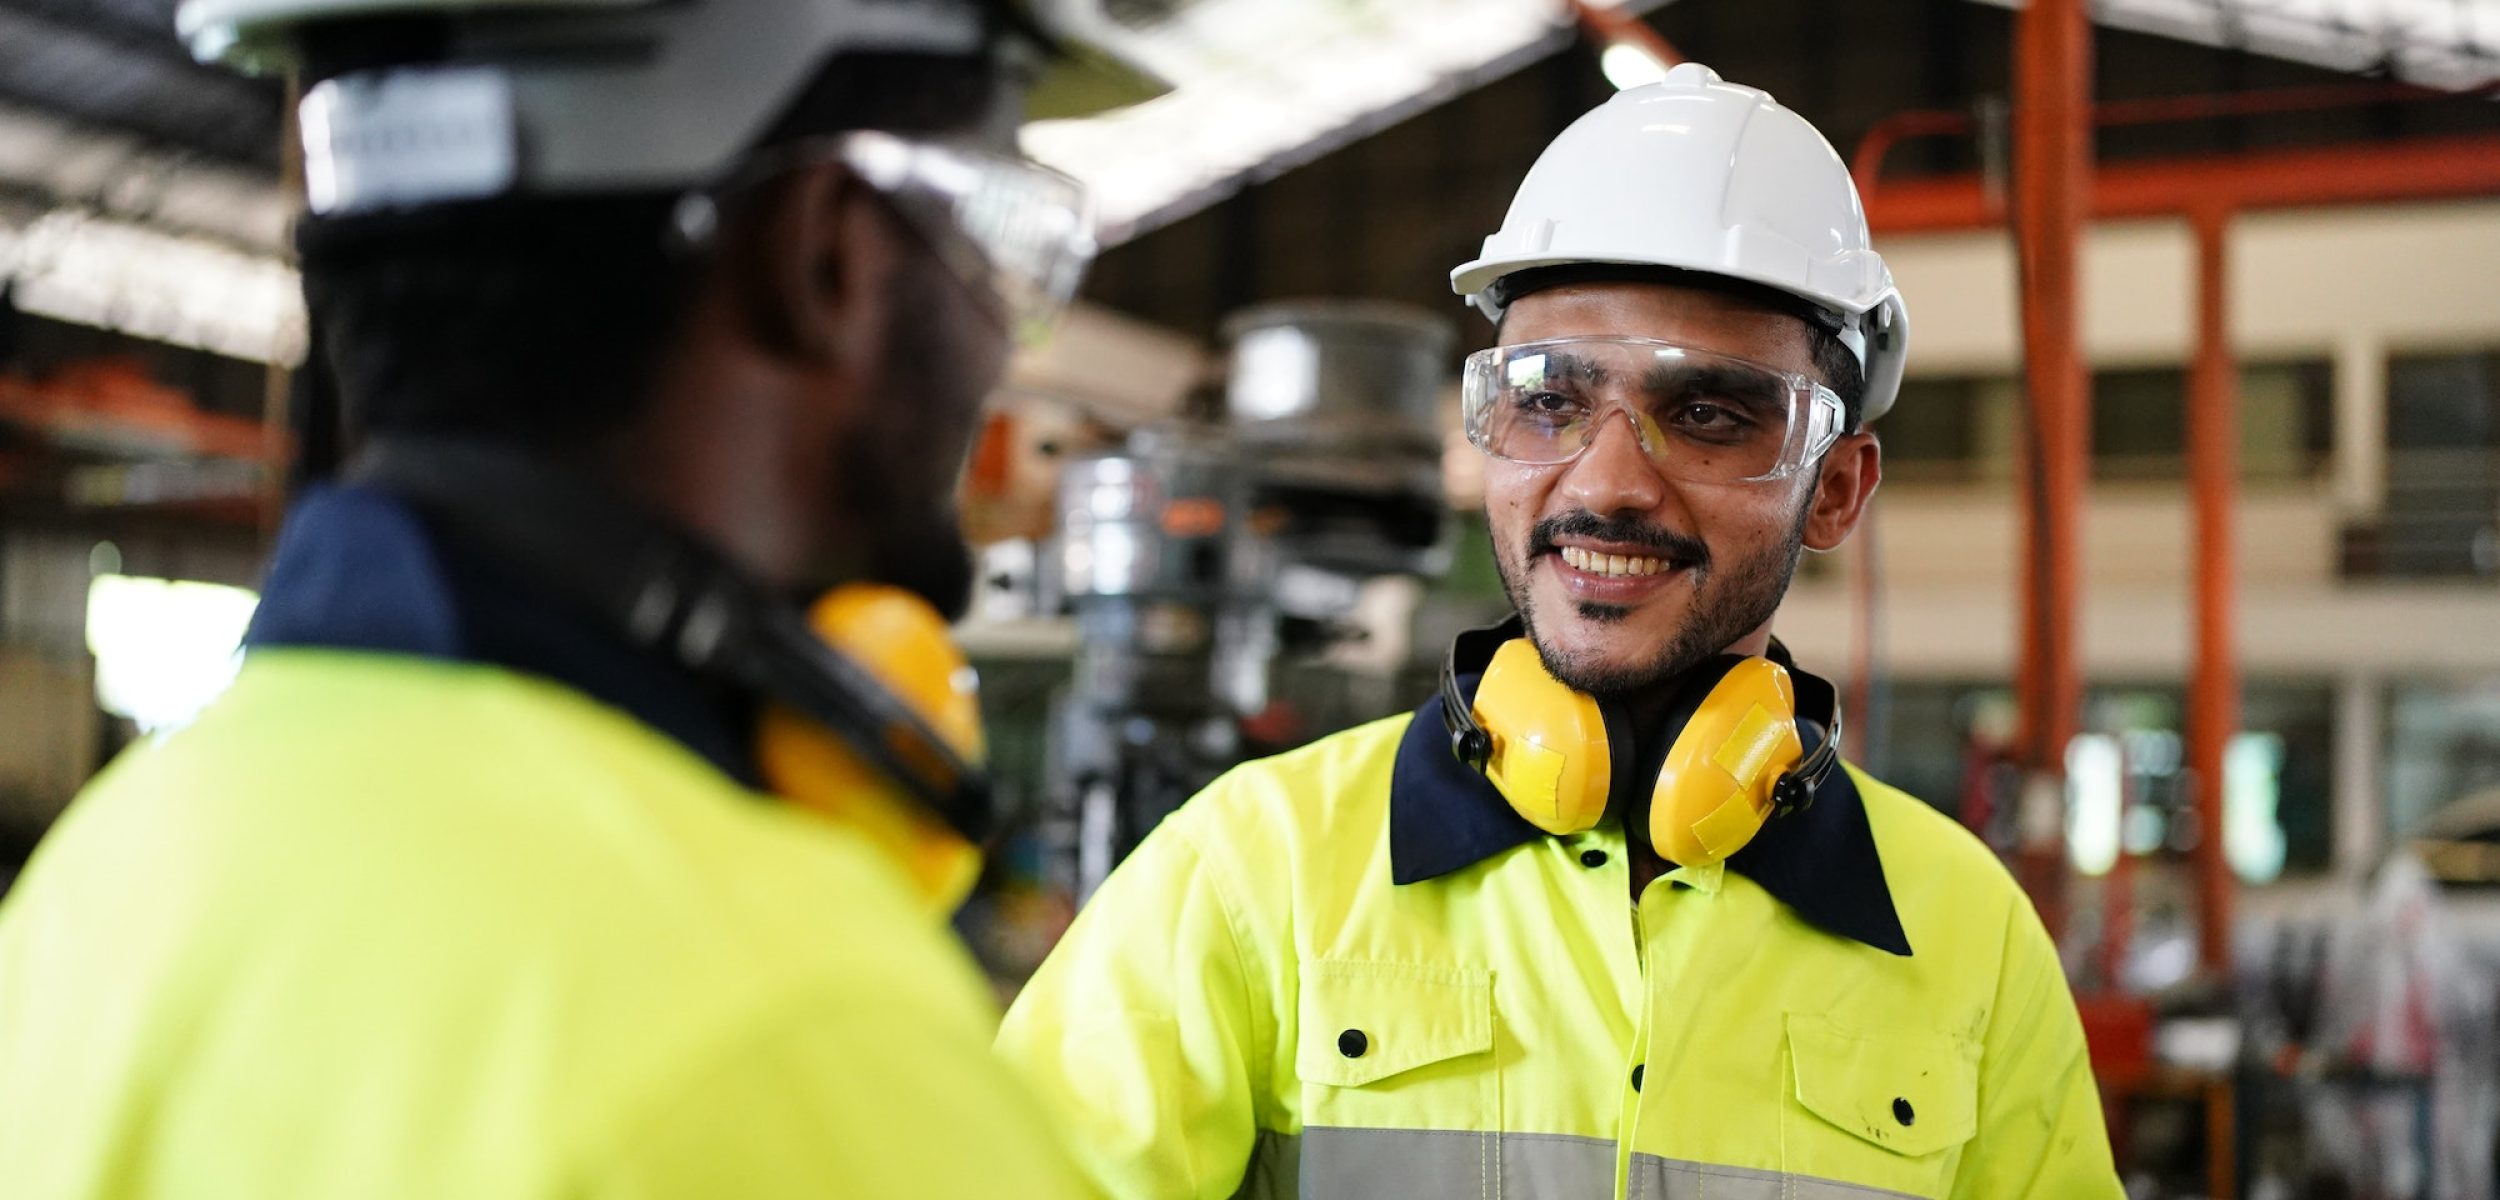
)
(1390, 1164)
(1386, 1164)
(1655, 1178)
(1374, 1164)
(1542, 1165)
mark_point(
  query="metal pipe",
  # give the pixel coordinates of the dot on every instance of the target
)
(2213, 480)
(1867, 162)
(2413, 169)
(278, 433)
(2052, 170)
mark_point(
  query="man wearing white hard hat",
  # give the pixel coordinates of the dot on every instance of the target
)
(1606, 916)
(556, 839)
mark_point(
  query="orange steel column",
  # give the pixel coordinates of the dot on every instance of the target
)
(2213, 430)
(2052, 169)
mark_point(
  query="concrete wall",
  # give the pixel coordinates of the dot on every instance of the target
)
(2350, 285)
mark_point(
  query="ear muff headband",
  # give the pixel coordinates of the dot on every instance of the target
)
(666, 593)
(1736, 760)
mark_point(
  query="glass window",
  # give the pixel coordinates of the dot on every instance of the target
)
(2443, 745)
(2278, 803)
(2139, 421)
(2443, 465)
(1959, 429)
(1930, 433)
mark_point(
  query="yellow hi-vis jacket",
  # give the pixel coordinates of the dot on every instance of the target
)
(411, 921)
(382, 927)
(1351, 972)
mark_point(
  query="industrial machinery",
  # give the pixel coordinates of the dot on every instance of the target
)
(1195, 555)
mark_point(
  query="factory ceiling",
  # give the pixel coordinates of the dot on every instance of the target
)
(122, 157)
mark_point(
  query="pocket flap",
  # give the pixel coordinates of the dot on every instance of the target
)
(1365, 1021)
(1910, 1091)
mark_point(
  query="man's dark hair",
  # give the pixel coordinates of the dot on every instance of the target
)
(1838, 365)
(539, 320)
(1831, 357)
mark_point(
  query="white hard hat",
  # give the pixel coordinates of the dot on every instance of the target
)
(1695, 174)
(579, 95)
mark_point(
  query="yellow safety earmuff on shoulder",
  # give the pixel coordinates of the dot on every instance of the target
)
(1546, 749)
(865, 708)
(896, 638)
(1735, 761)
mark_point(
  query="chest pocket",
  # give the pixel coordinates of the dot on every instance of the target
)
(1887, 1108)
(1396, 1046)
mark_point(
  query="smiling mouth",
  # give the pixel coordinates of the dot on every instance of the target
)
(1613, 564)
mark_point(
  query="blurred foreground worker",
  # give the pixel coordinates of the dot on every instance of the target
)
(1606, 916)
(542, 847)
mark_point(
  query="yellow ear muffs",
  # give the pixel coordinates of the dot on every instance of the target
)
(1715, 790)
(1548, 742)
(899, 640)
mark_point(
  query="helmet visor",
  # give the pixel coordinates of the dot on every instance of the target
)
(1700, 416)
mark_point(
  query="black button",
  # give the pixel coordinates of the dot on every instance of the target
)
(1592, 858)
(1902, 1112)
(1636, 1078)
(1352, 1043)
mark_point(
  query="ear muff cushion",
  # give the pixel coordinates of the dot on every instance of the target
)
(903, 643)
(1713, 792)
(1549, 742)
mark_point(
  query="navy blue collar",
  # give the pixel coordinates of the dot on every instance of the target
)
(1820, 862)
(359, 569)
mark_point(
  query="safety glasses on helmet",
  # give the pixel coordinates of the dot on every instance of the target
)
(1017, 233)
(1700, 416)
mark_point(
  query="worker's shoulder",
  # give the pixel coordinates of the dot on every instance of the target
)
(508, 822)
(495, 877)
(1940, 874)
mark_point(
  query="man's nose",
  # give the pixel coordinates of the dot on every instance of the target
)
(1615, 473)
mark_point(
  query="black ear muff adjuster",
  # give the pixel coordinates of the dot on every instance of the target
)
(1473, 747)
(1470, 651)
(1791, 794)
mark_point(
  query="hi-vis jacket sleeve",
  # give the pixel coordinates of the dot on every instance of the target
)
(2040, 1132)
(1149, 1034)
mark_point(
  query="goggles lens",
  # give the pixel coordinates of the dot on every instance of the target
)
(1017, 233)
(1700, 416)
(1016, 230)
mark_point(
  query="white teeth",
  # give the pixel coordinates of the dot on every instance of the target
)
(1611, 564)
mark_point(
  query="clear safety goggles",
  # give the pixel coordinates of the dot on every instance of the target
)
(1703, 417)
(1016, 232)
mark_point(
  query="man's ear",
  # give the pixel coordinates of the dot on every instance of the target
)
(812, 267)
(1850, 472)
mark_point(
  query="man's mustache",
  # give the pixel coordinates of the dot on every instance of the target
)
(1680, 549)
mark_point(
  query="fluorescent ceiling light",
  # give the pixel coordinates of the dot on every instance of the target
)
(163, 648)
(1265, 85)
(77, 266)
(1629, 66)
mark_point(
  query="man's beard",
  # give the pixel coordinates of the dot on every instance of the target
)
(899, 484)
(1727, 604)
